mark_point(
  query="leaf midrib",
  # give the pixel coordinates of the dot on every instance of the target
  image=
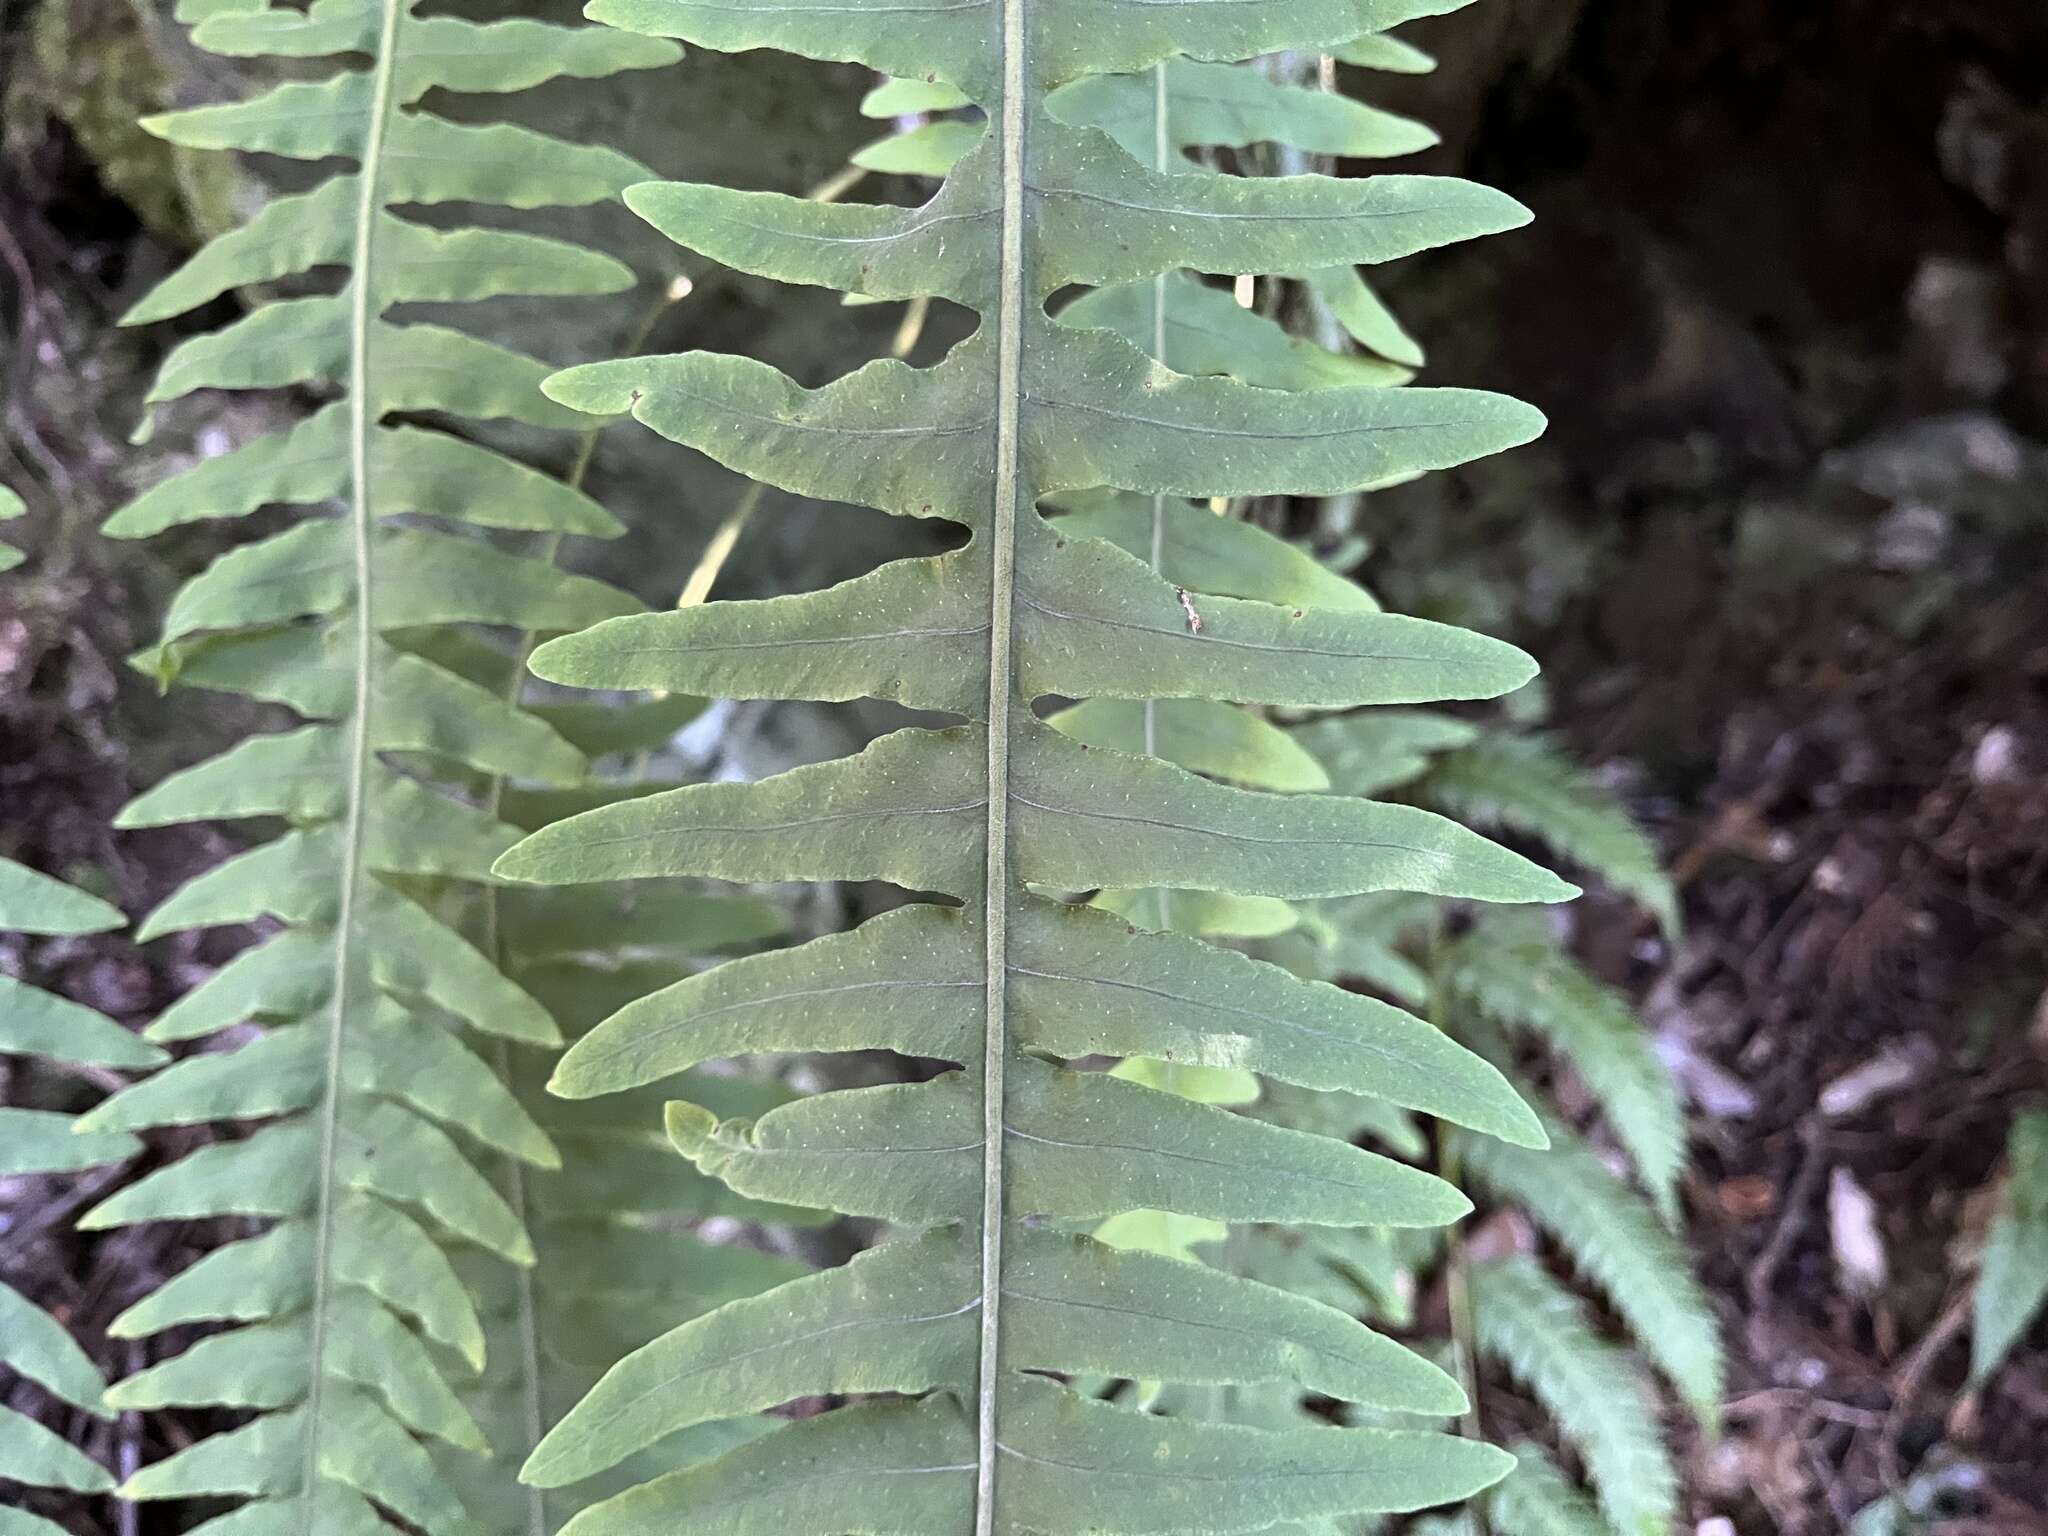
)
(362, 522)
(1012, 298)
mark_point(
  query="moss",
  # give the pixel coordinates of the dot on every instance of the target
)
(96, 66)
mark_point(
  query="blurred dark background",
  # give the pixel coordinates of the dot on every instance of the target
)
(1786, 305)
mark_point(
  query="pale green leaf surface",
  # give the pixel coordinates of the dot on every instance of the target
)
(1223, 106)
(1388, 54)
(31, 1454)
(1209, 332)
(1364, 315)
(37, 1023)
(1377, 750)
(378, 1248)
(1210, 914)
(44, 1141)
(897, 98)
(1536, 1500)
(2013, 1282)
(920, 1294)
(1202, 552)
(931, 149)
(908, 1153)
(35, 1345)
(1104, 1468)
(1200, 735)
(32, 902)
(432, 473)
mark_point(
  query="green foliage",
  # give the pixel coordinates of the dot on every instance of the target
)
(1611, 1237)
(372, 1038)
(615, 1265)
(2013, 1283)
(1516, 975)
(1536, 1499)
(998, 1169)
(1525, 784)
(1540, 1332)
(1501, 980)
(34, 1023)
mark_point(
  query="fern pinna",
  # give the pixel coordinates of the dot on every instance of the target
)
(989, 1170)
(384, 1121)
(38, 1024)
(33, 1344)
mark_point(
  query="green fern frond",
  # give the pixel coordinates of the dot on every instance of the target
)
(378, 1028)
(1614, 1239)
(35, 1023)
(1540, 1332)
(995, 1165)
(1537, 1499)
(614, 1266)
(1516, 975)
(1524, 784)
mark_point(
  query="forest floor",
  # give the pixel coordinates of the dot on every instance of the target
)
(1856, 1010)
(1806, 635)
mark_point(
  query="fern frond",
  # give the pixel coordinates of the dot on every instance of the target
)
(1516, 975)
(1614, 1239)
(614, 1266)
(997, 1162)
(1524, 784)
(35, 1023)
(1540, 1332)
(1537, 1499)
(374, 1020)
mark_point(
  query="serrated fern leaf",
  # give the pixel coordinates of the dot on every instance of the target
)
(995, 1164)
(371, 1056)
(2013, 1282)
(1537, 1499)
(1524, 784)
(1613, 1238)
(1540, 1332)
(1517, 976)
(35, 1023)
